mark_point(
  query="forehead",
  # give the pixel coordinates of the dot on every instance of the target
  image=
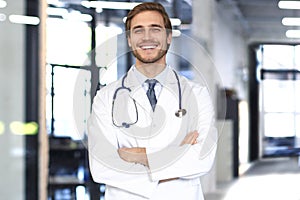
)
(147, 18)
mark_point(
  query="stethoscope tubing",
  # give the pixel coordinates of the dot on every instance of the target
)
(181, 112)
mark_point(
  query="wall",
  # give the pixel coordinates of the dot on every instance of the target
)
(230, 51)
(11, 103)
(217, 29)
(231, 59)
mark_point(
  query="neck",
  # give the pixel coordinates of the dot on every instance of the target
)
(150, 70)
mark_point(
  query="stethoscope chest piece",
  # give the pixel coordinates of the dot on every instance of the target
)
(180, 113)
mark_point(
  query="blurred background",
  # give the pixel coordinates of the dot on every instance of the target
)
(55, 55)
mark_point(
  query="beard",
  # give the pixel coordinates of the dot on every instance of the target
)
(149, 60)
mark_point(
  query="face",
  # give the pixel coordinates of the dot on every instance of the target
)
(148, 38)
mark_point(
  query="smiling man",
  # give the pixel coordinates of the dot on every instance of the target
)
(142, 143)
(149, 37)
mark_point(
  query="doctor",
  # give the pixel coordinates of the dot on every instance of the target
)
(138, 146)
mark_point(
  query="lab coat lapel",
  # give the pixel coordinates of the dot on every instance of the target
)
(168, 98)
(137, 91)
(170, 90)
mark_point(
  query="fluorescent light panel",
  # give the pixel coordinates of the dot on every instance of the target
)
(56, 11)
(3, 4)
(175, 21)
(109, 5)
(176, 33)
(293, 33)
(22, 19)
(289, 4)
(77, 16)
(291, 21)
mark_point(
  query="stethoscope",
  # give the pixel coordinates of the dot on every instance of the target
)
(179, 113)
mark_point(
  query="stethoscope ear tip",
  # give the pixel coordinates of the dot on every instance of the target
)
(180, 113)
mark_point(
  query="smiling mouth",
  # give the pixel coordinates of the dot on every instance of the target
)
(147, 47)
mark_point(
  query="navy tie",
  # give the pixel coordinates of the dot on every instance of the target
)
(151, 92)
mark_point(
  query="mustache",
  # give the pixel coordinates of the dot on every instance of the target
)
(148, 41)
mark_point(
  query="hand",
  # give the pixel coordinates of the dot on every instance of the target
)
(134, 155)
(190, 138)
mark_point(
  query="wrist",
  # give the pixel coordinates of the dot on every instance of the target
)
(142, 158)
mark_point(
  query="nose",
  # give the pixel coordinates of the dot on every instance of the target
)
(147, 34)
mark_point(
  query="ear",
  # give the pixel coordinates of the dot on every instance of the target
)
(129, 41)
(169, 38)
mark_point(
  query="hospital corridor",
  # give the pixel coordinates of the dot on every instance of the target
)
(273, 178)
(228, 87)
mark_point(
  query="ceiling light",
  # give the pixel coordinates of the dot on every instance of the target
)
(289, 4)
(77, 16)
(56, 11)
(175, 21)
(291, 21)
(99, 10)
(176, 33)
(22, 19)
(3, 4)
(109, 5)
(293, 33)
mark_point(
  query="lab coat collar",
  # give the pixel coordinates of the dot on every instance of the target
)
(138, 93)
(132, 81)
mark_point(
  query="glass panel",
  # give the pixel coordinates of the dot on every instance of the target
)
(297, 96)
(278, 57)
(49, 102)
(297, 122)
(278, 96)
(106, 52)
(12, 109)
(68, 42)
(71, 88)
(279, 125)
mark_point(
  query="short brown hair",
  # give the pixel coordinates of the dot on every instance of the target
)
(148, 6)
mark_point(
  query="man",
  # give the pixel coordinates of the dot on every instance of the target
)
(138, 146)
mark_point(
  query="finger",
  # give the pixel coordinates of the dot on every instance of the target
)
(194, 137)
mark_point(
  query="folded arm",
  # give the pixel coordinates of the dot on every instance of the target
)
(139, 155)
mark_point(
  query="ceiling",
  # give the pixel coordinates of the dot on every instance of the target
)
(261, 19)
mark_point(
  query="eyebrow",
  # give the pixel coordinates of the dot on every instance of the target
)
(151, 25)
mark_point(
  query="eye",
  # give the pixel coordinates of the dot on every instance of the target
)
(156, 29)
(138, 30)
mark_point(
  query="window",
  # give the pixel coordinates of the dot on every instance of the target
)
(67, 88)
(68, 47)
(279, 89)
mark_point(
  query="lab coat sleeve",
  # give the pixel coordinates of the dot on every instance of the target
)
(192, 160)
(105, 164)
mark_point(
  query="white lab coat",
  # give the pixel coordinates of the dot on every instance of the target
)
(160, 132)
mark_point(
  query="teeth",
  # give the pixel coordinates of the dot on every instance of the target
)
(148, 47)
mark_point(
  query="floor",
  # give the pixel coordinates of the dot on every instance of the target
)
(268, 179)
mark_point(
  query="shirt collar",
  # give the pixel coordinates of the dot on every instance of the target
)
(161, 77)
